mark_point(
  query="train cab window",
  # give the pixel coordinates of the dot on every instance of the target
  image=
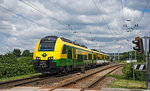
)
(64, 49)
(46, 46)
(47, 43)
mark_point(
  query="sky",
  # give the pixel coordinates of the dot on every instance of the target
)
(97, 24)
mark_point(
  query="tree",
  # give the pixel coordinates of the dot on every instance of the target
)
(17, 52)
(140, 57)
(26, 53)
(31, 54)
(1, 56)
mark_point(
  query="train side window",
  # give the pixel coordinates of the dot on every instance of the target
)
(80, 58)
(90, 56)
(85, 58)
(99, 58)
(94, 57)
(103, 57)
(64, 49)
(70, 54)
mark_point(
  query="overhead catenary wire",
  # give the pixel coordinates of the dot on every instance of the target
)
(120, 34)
(61, 14)
(92, 39)
(122, 15)
(143, 12)
(42, 12)
(122, 11)
(49, 1)
(103, 9)
(102, 16)
(55, 6)
(140, 19)
(108, 29)
(113, 33)
(19, 15)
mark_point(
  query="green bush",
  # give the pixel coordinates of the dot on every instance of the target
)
(27, 60)
(10, 66)
(140, 75)
(128, 72)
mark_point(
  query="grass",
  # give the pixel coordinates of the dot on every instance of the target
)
(18, 77)
(120, 82)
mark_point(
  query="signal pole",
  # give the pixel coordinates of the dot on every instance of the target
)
(139, 48)
(147, 62)
(135, 54)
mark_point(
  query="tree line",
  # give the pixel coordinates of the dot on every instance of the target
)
(25, 53)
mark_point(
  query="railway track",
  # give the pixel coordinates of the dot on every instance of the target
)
(19, 82)
(72, 81)
(86, 81)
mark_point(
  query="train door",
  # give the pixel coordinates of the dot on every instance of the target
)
(69, 55)
(74, 60)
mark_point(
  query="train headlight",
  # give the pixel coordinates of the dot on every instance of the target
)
(50, 58)
(37, 58)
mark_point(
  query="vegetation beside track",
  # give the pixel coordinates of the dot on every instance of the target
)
(126, 80)
(128, 84)
(18, 77)
(16, 65)
(128, 73)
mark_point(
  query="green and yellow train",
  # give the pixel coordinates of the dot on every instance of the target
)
(54, 54)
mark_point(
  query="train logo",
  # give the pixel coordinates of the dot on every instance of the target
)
(44, 54)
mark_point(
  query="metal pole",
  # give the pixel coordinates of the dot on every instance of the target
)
(115, 53)
(73, 34)
(118, 56)
(130, 46)
(135, 55)
(146, 59)
(118, 53)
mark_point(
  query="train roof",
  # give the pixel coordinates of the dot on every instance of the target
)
(54, 38)
(75, 43)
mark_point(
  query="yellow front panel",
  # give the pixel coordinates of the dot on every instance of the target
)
(58, 49)
(55, 54)
(36, 50)
(49, 54)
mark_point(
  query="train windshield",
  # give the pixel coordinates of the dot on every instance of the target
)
(47, 44)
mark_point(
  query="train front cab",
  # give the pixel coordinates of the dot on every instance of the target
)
(46, 53)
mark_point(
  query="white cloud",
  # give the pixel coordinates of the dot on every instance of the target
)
(53, 19)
